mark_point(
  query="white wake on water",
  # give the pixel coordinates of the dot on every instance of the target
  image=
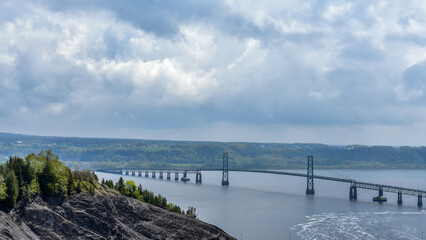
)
(359, 225)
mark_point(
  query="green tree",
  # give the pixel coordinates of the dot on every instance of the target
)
(37, 162)
(92, 189)
(71, 183)
(109, 183)
(79, 187)
(17, 165)
(130, 188)
(12, 189)
(48, 178)
(30, 190)
(120, 186)
(55, 176)
(191, 212)
(28, 172)
(3, 190)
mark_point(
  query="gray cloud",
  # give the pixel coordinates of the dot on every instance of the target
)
(147, 67)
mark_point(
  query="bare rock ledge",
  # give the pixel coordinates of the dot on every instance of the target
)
(106, 215)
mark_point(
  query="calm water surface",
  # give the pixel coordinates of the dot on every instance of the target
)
(266, 206)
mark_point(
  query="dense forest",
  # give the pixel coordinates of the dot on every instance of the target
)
(97, 153)
(44, 174)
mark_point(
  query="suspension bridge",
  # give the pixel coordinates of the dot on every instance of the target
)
(354, 184)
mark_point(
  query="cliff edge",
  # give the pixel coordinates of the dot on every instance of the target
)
(106, 215)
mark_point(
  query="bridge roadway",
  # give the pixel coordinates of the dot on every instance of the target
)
(353, 182)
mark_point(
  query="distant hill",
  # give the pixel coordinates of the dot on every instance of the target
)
(111, 153)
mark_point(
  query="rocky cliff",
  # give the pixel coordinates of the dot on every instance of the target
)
(106, 215)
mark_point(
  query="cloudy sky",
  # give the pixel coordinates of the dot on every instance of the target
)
(334, 72)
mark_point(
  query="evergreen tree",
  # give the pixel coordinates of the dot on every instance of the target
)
(120, 187)
(92, 189)
(12, 189)
(109, 183)
(71, 182)
(17, 165)
(79, 188)
(3, 189)
(28, 172)
(48, 178)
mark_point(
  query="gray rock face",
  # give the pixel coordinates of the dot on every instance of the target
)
(106, 215)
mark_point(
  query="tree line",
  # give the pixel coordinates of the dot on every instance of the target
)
(128, 153)
(130, 189)
(44, 173)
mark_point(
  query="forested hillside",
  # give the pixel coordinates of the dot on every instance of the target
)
(110, 153)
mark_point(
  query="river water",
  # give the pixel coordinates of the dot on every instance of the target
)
(266, 206)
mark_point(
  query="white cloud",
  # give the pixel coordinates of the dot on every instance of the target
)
(281, 15)
(404, 94)
(53, 108)
(7, 59)
(81, 39)
(336, 11)
(199, 41)
(252, 53)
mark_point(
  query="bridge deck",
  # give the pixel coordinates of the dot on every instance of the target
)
(364, 185)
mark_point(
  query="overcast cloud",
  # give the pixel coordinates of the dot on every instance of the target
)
(336, 72)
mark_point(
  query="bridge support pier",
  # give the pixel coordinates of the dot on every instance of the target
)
(198, 177)
(353, 193)
(380, 198)
(140, 174)
(134, 173)
(146, 174)
(168, 175)
(153, 174)
(185, 177)
(176, 176)
(225, 180)
(161, 175)
(419, 201)
(310, 177)
(399, 198)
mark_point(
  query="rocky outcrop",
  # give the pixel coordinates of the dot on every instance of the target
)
(106, 215)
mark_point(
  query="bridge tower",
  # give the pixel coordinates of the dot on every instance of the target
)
(225, 181)
(310, 176)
